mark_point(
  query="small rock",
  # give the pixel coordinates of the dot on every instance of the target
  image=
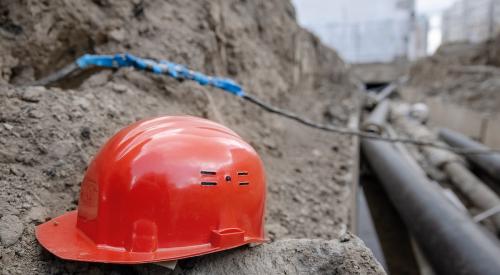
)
(269, 143)
(276, 230)
(25, 133)
(37, 214)
(117, 34)
(97, 79)
(25, 159)
(7, 126)
(60, 149)
(119, 88)
(83, 103)
(35, 114)
(11, 229)
(345, 238)
(33, 94)
(15, 171)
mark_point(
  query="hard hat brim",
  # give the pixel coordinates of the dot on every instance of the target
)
(61, 237)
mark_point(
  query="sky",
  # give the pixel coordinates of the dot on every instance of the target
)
(430, 7)
(317, 12)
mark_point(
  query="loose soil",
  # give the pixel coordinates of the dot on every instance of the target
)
(462, 73)
(49, 135)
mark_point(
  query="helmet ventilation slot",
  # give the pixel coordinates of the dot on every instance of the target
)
(244, 183)
(208, 183)
(203, 172)
(243, 173)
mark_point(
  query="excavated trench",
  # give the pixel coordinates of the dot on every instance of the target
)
(379, 224)
(390, 232)
(455, 187)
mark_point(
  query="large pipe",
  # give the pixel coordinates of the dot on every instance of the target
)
(474, 189)
(366, 228)
(451, 240)
(410, 158)
(379, 114)
(469, 185)
(490, 163)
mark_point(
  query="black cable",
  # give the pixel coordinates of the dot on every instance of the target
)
(73, 67)
(362, 134)
(60, 74)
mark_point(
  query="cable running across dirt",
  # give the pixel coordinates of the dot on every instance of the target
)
(362, 134)
(180, 72)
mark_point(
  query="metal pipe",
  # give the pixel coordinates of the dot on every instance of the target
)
(390, 89)
(403, 150)
(380, 113)
(474, 189)
(467, 183)
(366, 228)
(451, 240)
(386, 92)
(410, 158)
(423, 263)
(490, 163)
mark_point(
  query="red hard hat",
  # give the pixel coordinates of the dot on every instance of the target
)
(163, 189)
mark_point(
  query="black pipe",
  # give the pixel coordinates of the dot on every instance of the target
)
(386, 92)
(453, 243)
(490, 163)
(366, 228)
(380, 113)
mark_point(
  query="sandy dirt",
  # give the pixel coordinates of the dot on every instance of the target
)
(49, 135)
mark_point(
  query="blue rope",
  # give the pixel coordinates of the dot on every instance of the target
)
(174, 70)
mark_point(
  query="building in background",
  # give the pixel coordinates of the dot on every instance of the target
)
(370, 31)
(471, 20)
(418, 47)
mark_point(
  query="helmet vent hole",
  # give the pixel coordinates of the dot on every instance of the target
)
(208, 183)
(244, 183)
(243, 173)
(204, 172)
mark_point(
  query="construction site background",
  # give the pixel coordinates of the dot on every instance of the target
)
(316, 177)
(471, 21)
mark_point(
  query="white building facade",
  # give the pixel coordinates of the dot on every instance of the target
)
(471, 20)
(369, 31)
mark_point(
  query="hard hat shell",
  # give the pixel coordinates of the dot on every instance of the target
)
(163, 189)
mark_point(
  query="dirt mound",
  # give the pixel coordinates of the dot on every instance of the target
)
(48, 136)
(258, 44)
(463, 73)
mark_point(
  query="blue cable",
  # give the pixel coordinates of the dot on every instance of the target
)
(174, 70)
(178, 71)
